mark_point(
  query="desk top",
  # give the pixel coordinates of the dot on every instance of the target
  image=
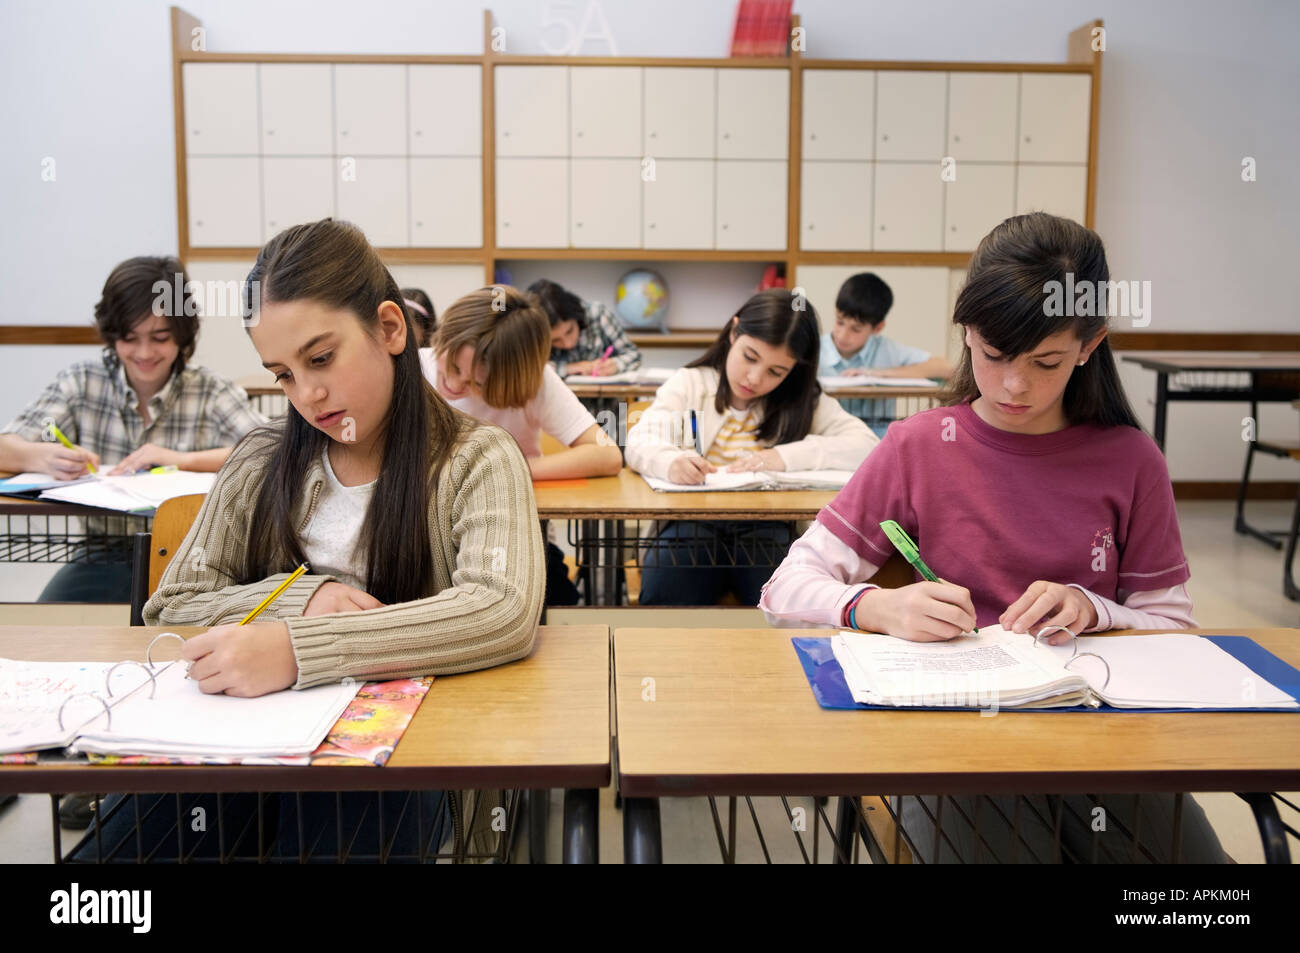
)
(733, 714)
(1175, 361)
(628, 496)
(540, 722)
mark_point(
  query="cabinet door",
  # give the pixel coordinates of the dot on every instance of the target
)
(753, 113)
(911, 107)
(606, 111)
(369, 109)
(297, 118)
(839, 113)
(605, 205)
(532, 110)
(751, 204)
(295, 190)
(1058, 189)
(835, 212)
(982, 116)
(446, 110)
(1055, 110)
(532, 203)
(372, 194)
(224, 195)
(979, 198)
(220, 108)
(447, 202)
(909, 207)
(679, 112)
(679, 204)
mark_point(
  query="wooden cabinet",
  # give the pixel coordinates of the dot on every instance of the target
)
(679, 112)
(839, 114)
(295, 189)
(297, 118)
(445, 110)
(835, 214)
(532, 203)
(679, 205)
(750, 205)
(911, 106)
(978, 199)
(605, 203)
(220, 109)
(753, 114)
(532, 110)
(223, 208)
(446, 202)
(373, 195)
(369, 110)
(982, 116)
(1054, 117)
(1058, 189)
(605, 111)
(908, 207)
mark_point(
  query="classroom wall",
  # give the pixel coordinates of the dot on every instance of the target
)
(1188, 89)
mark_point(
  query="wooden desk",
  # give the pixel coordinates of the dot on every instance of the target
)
(642, 391)
(1268, 380)
(542, 722)
(733, 714)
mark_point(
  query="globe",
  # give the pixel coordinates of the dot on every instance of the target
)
(641, 300)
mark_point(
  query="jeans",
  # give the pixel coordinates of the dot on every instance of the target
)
(89, 582)
(694, 563)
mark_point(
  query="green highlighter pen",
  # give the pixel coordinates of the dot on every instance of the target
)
(903, 543)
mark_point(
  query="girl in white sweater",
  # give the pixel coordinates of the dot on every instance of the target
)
(756, 405)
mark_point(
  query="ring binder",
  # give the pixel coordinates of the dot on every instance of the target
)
(1074, 638)
(149, 666)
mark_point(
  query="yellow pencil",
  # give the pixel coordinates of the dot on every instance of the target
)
(58, 435)
(271, 598)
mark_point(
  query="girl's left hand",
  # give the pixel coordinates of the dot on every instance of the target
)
(1073, 610)
(150, 455)
(767, 459)
(242, 660)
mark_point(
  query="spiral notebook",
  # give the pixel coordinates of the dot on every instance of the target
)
(1006, 670)
(151, 708)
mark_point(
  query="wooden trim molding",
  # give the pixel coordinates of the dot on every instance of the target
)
(1227, 489)
(47, 334)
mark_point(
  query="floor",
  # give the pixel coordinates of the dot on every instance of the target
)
(1236, 583)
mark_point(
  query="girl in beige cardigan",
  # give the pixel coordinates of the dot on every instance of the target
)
(419, 525)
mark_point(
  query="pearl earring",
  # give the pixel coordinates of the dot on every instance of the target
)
(1081, 363)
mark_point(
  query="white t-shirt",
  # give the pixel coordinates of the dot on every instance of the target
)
(330, 538)
(555, 410)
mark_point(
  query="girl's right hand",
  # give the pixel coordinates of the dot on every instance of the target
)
(60, 462)
(921, 612)
(336, 597)
(690, 469)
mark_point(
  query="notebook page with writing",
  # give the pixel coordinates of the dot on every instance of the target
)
(140, 491)
(181, 720)
(713, 482)
(31, 694)
(1171, 670)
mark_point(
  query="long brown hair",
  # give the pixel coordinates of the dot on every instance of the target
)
(331, 262)
(1005, 299)
(771, 316)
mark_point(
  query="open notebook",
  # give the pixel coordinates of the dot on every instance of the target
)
(832, 383)
(129, 493)
(644, 375)
(1002, 669)
(167, 715)
(761, 480)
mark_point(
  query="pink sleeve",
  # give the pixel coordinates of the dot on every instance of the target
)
(815, 582)
(1169, 608)
(563, 416)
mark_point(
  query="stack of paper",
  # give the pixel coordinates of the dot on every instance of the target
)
(132, 493)
(834, 383)
(722, 480)
(645, 375)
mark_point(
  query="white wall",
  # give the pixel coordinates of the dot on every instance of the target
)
(1188, 89)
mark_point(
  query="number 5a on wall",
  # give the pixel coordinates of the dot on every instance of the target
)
(594, 26)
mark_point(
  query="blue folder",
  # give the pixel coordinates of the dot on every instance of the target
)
(826, 678)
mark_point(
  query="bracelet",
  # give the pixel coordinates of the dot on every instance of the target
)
(848, 617)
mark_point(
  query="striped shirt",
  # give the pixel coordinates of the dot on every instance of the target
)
(602, 332)
(737, 439)
(96, 408)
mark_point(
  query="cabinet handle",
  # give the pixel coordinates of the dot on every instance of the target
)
(343, 133)
(579, 133)
(653, 135)
(726, 135)
(196, 131)
(270, 132)
(812, 135)
(505, 224)
(811, 226)
(882, 228)
(505, 134)
(419, 132)
(272, 224)
(577, 224)
(198, 223)
(652, 224)
(956, 138)
(724, 226)
(1027, 139)
(884, 137)
(953, 228)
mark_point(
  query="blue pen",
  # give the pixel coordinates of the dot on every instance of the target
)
(695, 434)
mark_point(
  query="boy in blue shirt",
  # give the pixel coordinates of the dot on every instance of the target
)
(856, 347)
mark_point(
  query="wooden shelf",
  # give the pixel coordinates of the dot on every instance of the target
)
(641, 254)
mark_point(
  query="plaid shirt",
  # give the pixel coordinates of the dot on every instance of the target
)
(95, 407)
(601, 331)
